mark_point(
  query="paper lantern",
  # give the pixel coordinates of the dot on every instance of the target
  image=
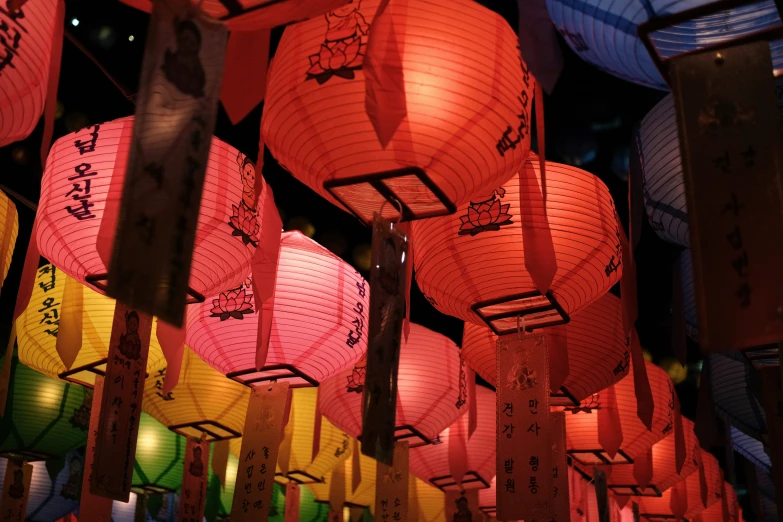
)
(125, 511)
(160, 455)
(52, 497)
(603, 32)
(203, 402)
(319, 326)
(582, 433)
(620, 477)
(715, 512)
(584, 502)
(246, 15)
(731, 377)
(472, 265)
(24, 73)
(430, 463)
(38, 325)
(751, 448)
(488, 498)
(9, 228)
(430, 391)
(79, 175)
(597, 353)
(364, 496)
(431, 502)
(659, 506)
(658, 142)
(44, 418)
(468, 97)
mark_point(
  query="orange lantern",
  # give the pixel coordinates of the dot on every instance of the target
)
(431, 389)
(660, 506)
(472, 265)
(9, 228)
(616, 405)
(597, 354)
(466, 102)
(24, 70)
(430, 463)
(621, 478)
(715, 513)
(321, 308)
(84, 167)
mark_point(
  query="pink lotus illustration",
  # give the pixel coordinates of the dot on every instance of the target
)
(245, 224)
(486, 215)
(234, 303)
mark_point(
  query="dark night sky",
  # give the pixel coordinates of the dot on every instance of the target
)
(589, 119)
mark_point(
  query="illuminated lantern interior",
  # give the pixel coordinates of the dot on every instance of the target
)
(160, 454)
(9, 229)
(364, 496)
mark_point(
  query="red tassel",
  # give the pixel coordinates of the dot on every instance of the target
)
(643, 468)
(621, 500)
(679, 435)
(645, 405)
(472, 407)
(724, 500)
(558, 358)
(703, 487)
(458, 451)
(356, 466)
(628, 285)
(384, 79)
(54, 80)
(679, 499)
(172, 343)
(29, 272)
(105, 240)
(610, 432)
(316, 428)
(706, 424)
(538, 42)
(264, 269)
(244, 73)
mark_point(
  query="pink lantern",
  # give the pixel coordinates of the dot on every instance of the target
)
(431, 463)
(488, 499)
(431, 389)
(85, 167)
(319, 325)
(24, 70)
(597, 354)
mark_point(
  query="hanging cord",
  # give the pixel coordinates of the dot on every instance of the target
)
(521, 329)
(397, 204)
(76, 43)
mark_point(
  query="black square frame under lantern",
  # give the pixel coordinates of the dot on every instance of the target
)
(346, 504)
(409, 191)
(414, 436)
(76, 375)
(654, 517)
(766, 357)
(537, 311)
(598, 457)
(152, 489)
(490, 511)
(212, 430)
(28, 455)
(302, 477)
(100, 281)
(274, 373)
(563, 397)
(633, 490)
(447, 482)
(659, 23)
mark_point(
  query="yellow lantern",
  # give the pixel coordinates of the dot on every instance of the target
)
(38, 325)
(9, 229)
(204, 401)
(431, 502)
(364, 496)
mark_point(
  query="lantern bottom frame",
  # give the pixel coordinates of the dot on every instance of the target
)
(634, 490)
(384, 183)
(406, 431)
(654, 517)
(345, 504)
(536, 310)
(152, 489)
(490, 511)
(274, 373)
(213, 430)
(600, 458)
(447, 482)
(28, 455)
(563, 397)
(764, 357)
(301, 477)
(98, 368)
(100, 283)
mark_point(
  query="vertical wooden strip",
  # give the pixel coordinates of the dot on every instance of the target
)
(193, 494)
(16, 490)
(93, 507)
(292, 496)
(559, 500)
(391, 494)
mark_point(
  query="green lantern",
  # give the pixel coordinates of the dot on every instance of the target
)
(44, 418)
(311, 510)
(160, 455)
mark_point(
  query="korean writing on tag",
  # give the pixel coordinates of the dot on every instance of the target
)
(387, 312)
(16, 490)
(123, 389)
(258, 456)
(46, 279)
(93, 507)
(12, 35)
(172, 133)
(559, 501)
(524, 448)
(729, 126)
(391, 494)
(193, 494)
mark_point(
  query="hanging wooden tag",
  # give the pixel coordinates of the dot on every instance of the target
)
(524, 443)
(193, 495)
(175, 117)
(93, 507)
(391, 494)
(387, 312)
(728, 123)
(258, 456)
(16, 490)
(559, 500)
(140, 513)
(337, 487)
(601, 494)
(292, 495)
(635, 511)
(123, 389)
(462, 505)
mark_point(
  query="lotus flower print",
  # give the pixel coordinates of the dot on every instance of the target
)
(245, 224)
(343, 49)
(522, 378)
(234, 303)
(486, 215)
(356, 379)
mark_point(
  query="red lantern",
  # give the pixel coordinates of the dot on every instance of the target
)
(715, 513)
(621, 478)
(650, 506)
(431, 390)
(431, 463)
(488, 498)
(85, 167)
(319, 324)
(24, 71)
(472, 265)
(467, 101)
(587, 433)
(597, 353)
